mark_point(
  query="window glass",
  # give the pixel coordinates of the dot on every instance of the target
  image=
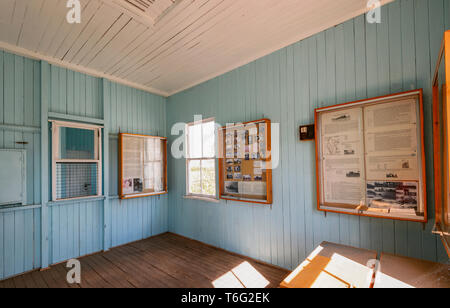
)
(201, 169)
(76, 143)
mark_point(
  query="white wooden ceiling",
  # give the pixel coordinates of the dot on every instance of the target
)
(164, 46)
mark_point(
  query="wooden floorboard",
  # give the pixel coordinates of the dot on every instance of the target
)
(164, 261)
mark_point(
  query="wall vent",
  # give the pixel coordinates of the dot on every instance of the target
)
(146, 11)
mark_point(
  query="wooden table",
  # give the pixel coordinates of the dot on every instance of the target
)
(404, 272)
(333, 266)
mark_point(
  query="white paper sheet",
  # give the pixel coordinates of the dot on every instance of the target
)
(390, 114)
(392, 167)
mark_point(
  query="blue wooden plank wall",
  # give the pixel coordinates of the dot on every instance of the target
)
(75, 228)
(20, 112)
(74, 93)
(137, 112)
(354, 60)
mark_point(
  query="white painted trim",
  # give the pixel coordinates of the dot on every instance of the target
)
(56, 125)
(206, 199)
(271, 50)
(370, 101)
(77, 68)
(76, 125)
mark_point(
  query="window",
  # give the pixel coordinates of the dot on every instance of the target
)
(200, 161)
(76, 161)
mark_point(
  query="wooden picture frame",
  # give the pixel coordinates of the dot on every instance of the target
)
(142, 191)
(241, 160)
(441, 142)
(390, 185)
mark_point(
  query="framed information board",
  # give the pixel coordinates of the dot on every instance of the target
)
(245, 171)
(441, 139)
(370, 158)
(142, 166)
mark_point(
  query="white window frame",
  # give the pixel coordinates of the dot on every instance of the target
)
(56, 126)
(188, 159)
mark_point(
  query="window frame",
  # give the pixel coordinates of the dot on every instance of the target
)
(188, 160)
(55, 130)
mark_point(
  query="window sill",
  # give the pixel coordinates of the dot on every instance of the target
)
(206, 199)
(76, 200)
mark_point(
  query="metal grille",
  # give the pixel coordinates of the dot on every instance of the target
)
(74, 180)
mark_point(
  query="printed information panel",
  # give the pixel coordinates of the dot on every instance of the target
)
(370, 158)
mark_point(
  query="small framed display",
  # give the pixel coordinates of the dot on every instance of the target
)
(142, 166)
(245, 169)
(370, 158)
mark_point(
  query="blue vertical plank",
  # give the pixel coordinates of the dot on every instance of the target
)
(55, 234)
(19, 241)
(344, 220)
(299, 231)
(9, 241)
(424, 73)
(311, 57)
(18, 90)
(106, 170)
(286, 260)
(330, 42)
(8, 90)
(36, 93)
(37, 238)
(384, 81)
(2, 56)
(62, 83)
(45, 98)
(2, 246)
(70, 100)
(29, 230)
(37, 169)
(29, 147)
(28, 86)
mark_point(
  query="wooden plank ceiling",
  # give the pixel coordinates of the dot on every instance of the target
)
(164, 46)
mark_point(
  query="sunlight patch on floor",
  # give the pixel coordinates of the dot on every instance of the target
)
(242, 276)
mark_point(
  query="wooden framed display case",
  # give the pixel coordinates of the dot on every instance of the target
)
(142, 166)
(245, 162)
(370, 158)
